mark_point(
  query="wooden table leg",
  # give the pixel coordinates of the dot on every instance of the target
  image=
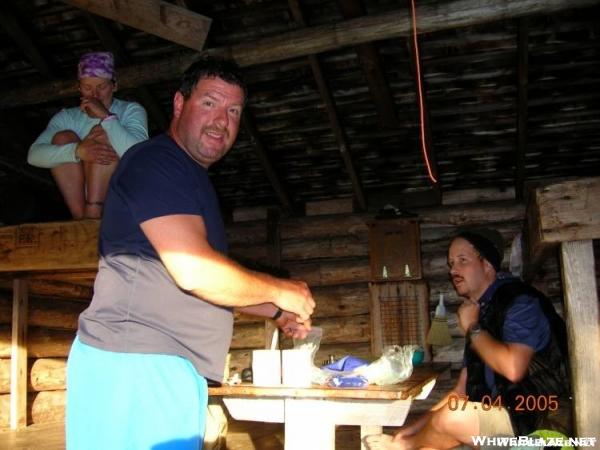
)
(307, 427)
(367, 430)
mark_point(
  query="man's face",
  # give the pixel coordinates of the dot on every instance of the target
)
(206, 124)
(471, 275)
(101, 89)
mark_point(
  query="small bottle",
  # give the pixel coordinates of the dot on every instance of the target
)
(385, 272)
(406, 271)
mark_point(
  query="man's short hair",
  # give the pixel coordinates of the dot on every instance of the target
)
(211, 67)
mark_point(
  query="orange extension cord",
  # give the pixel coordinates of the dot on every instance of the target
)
(420, 93)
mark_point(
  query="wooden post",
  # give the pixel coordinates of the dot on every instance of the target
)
(569, 213)
(274, 257)
(18, 366)
(375, 313)
(583, 324)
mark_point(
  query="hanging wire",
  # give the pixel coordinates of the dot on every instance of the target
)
(420, 93)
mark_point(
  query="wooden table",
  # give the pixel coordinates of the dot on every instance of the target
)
(310, 414)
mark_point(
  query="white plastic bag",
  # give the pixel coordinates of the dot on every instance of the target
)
(395, 365)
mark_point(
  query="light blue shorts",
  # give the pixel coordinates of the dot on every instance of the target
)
(133, 401)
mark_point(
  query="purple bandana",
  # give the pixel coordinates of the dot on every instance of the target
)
(96, 64)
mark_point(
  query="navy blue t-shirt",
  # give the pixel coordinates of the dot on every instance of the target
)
(137, 306)
(146, 186)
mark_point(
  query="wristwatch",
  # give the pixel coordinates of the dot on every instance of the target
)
(473, 330)
(277, 314)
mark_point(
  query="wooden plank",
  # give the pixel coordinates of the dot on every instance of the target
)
(18, 367)
(49, 246)
(561, 212)
(54, 289)
(246, 213)
(311, 40)
(274, 259)
(41, 342)
(155, 17)
(336, 206)
(477, 195)
(569, 211)
(62, 314)
(376, 328)
(583, 326)
(41, 437)
(534, 250)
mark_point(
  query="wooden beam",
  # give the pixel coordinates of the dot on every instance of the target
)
(155, 17)
(110, 42)
(265, 162)
(562, 212)
(49, 246)
(308, 41)
(11, 24)
(53, 288)
(569, 211)
(370, 63)
(340, 136)
(522, 82)
(327, 98)
(583, 327)
(273, 259)
(18, 357)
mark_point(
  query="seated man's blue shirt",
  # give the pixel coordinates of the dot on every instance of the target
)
(524, 323)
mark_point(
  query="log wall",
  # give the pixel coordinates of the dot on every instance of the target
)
(329, 252)
(52, 326)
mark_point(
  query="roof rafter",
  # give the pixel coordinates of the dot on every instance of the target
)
(265, 162)
(156, 17)
(13, 27)
(369, 60)
(327, 98)
(311, 40)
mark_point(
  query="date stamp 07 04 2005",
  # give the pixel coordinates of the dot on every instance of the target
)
(528, 403)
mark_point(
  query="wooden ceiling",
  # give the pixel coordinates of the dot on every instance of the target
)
(511, 93)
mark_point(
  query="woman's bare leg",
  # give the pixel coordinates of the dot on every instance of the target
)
(70, 177)
(97, 178)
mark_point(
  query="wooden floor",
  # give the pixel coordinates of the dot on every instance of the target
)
(35, 437)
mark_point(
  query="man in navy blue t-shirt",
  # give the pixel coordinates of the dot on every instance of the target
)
(160, 322)
(513, 352)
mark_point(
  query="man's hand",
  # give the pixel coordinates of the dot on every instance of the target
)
(93, 108)
(295, 297)
(468, 315)
(96, 148)
(291, 326)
